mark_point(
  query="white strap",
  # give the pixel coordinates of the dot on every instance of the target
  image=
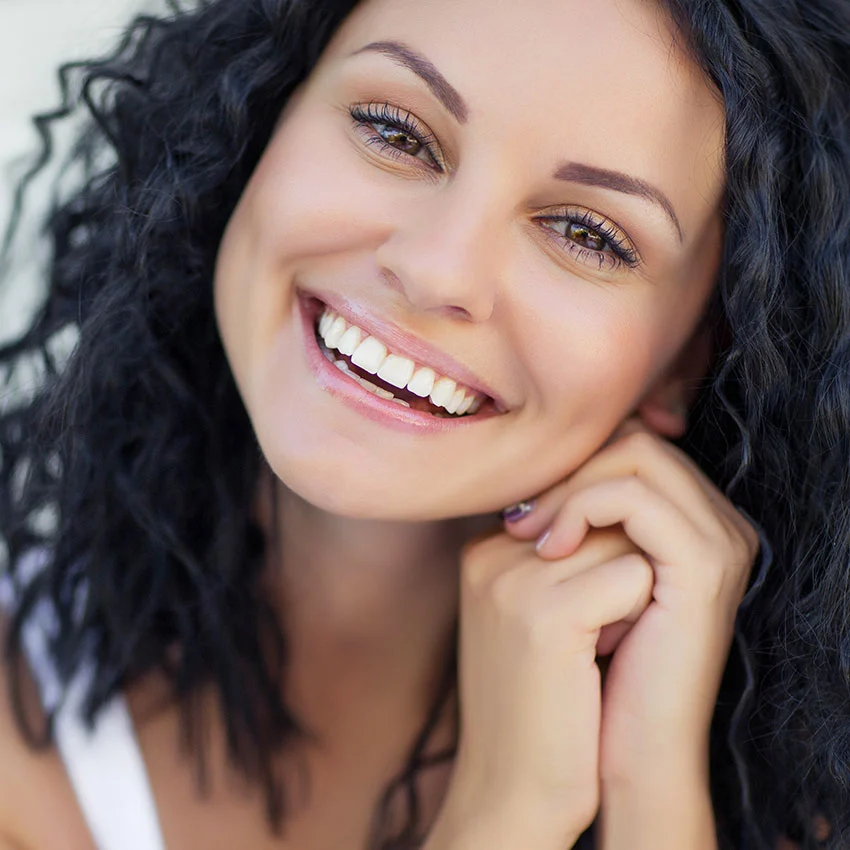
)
(106, 769)
(104, 765)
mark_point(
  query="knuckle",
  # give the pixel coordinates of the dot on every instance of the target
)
(752, 542)
(638, 563)
(505, 594)
(478, 560)
(713, 581)
(723, 573)
(741, 548)
(473, 571)
(640, 443)
(526, 616)
(632, 488)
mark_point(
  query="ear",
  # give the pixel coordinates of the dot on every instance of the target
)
(664, 408)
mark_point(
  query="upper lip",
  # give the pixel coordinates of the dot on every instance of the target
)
(401, 342)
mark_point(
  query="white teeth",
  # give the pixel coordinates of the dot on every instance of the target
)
(455, 401)
(349, 341)
(335, 332)
(422, 382)
(370, 355)
(465, 405)
(443, 391)
(324, 323)
(368, 385)
(397, 370)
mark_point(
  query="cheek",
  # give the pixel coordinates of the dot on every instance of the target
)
(595, 354)
(313, 195)
(305, 204)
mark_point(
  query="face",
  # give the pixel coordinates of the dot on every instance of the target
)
(508, 209)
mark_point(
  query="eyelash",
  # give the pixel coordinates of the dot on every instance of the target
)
(618, 248)
(368, 116)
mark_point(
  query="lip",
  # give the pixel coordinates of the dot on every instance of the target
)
(370, 405)
(400, 342)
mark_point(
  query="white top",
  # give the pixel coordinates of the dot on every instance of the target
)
(104, 765)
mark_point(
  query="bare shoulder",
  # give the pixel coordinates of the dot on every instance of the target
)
(37, 805)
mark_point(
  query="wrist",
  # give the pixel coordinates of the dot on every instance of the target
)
(657, 762)
(667, 810)
(500, 828)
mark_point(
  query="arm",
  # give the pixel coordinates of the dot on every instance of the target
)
(672, 813)
(665, 665)
(459, 828)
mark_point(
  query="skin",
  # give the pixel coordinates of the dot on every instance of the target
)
(594, 360)
(458, 259)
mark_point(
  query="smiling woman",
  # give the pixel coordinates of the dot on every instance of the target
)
(420, 195)
(452, 388)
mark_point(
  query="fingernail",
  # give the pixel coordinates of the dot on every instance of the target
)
(514, 513)
(541, 541)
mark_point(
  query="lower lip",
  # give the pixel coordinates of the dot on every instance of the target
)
(373, 407)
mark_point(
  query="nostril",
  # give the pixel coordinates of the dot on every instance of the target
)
(393, 281)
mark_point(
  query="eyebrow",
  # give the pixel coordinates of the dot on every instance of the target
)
(443, 90)
(572, 172)
(590, 175)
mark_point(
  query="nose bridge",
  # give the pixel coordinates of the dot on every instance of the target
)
(443, 254)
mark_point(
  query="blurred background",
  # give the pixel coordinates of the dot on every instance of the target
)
(36, 36)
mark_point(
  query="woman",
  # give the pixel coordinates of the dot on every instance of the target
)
(359, 278)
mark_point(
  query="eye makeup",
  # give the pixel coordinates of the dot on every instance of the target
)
(396, 133)
(585, 236)
(591, 238)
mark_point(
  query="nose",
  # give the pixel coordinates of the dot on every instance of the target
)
(442, 254)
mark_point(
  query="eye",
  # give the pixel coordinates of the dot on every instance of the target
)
(396, 133)
(400, 139)
(591, 238)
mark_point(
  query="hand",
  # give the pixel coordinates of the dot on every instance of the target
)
(530, 691)
(662, 681)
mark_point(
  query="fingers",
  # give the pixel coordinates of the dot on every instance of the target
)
(616, 591)
(660, 465)
(703, 567)
(653, 523)
(486, 559)
(569, 600)
(662, 468)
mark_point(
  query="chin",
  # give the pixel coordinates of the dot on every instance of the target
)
(346, 481)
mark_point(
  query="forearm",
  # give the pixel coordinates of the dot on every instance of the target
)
(670, 814)
(499, 830)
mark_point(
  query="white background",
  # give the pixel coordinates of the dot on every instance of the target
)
(36, 36)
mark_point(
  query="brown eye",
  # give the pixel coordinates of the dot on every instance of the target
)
(587, 238)
(590, 238)
(399, 139)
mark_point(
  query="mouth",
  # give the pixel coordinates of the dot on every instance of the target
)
(372, 363)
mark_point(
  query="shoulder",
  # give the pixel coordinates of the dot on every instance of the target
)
(33, 783)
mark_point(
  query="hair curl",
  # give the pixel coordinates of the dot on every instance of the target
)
(141, 451)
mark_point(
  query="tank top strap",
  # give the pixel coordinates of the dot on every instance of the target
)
(104, 764)
(107, 771)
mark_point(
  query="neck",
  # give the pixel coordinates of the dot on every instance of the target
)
(368, 606)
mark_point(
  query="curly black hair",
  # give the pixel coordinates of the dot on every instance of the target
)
(138, 450)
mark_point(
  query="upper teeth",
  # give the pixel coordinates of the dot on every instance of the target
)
(372, 356)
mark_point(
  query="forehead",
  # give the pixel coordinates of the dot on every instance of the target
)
(604, 83)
